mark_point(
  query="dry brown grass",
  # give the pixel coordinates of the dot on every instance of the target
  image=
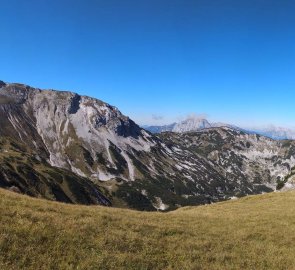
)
(256, 232)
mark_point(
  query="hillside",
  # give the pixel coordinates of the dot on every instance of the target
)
(255, 232)
(94, 140)
(24, 171)
(79, 149)
(101, 151)
(250, 162)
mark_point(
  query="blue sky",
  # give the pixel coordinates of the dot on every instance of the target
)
(159, 60)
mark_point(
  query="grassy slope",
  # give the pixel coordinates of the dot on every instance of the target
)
(255, 232)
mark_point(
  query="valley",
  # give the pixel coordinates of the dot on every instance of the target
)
(57, 143)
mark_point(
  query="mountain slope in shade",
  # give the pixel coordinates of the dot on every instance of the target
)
(24, 171)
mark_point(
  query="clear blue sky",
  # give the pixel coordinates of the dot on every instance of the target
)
(158, 60)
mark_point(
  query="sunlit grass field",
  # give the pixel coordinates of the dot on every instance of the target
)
(256, 232)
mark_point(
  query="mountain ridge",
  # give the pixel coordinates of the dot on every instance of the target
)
(94, 140)
(192, 124)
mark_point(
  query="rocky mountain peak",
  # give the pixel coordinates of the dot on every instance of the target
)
(191, 124)
(2, 84)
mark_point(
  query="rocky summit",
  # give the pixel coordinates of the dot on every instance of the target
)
(63, 146)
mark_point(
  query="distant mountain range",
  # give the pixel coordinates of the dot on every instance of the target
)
(277, 133)
(196, 124)
(190, 124)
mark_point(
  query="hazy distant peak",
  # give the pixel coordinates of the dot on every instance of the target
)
(191, 124)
